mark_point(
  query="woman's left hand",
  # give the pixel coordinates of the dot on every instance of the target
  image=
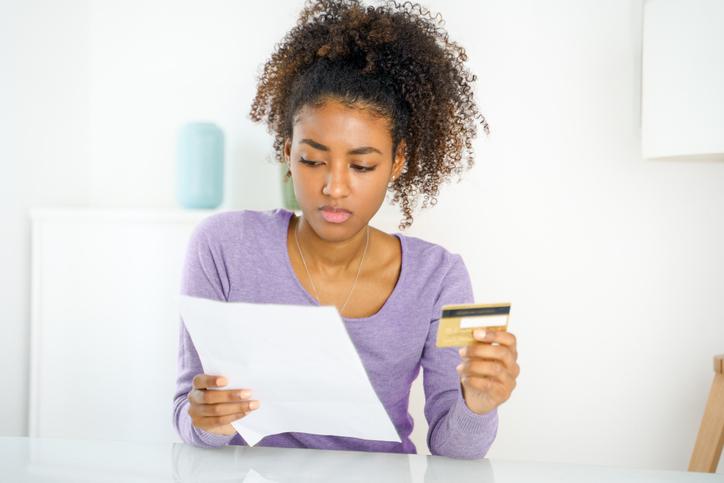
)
(488, 372)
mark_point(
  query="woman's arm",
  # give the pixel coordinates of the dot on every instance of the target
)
(203, 276)
(454, 430)
(188, 367)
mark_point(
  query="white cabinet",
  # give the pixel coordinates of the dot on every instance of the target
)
(104, 329)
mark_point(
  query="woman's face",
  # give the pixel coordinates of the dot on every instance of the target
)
(341, 162)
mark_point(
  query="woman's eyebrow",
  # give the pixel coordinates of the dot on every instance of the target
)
(322, 147)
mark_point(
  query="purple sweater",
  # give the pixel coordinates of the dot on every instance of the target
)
(241, 256)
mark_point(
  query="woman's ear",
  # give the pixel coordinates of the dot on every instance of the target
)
(287, 155)
(287, 150)
(399, 161)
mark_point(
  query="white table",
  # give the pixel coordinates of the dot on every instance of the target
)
(67, 460)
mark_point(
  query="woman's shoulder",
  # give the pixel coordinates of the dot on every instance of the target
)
(435, 270)
(239, 225)
(425, 253)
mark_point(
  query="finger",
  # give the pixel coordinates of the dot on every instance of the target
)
(486, 351)
(495, 387)
(505, 379)
(203, 396)
(204, 381)
(225, 409)
(502, 337)
(480, 368)
(216, 421)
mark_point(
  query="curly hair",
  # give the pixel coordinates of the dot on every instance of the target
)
(394, 59)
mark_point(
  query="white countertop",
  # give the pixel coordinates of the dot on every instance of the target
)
(61, 460)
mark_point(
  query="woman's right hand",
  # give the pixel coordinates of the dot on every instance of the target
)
(214, 410)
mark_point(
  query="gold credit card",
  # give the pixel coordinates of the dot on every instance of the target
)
(458, 322)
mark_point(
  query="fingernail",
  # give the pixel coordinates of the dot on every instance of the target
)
(244, 394)
(462, 351)
(253, 404)
(459, 368)
(480, 334)
(221, 381)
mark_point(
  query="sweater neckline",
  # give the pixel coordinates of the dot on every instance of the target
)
(390, 299)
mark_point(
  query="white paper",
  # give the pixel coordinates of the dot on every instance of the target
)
(299, 363)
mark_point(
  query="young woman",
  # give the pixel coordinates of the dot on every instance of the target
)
(360, 100)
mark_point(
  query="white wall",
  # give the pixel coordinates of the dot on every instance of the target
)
(613, 264)
(43, 159)
(156, 65)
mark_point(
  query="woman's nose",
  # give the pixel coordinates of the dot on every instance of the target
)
(337, 183)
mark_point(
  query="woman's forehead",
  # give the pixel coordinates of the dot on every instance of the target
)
(340, 123)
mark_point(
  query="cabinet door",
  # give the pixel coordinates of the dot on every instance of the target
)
(105, 326)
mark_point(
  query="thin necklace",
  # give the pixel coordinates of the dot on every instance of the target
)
(359, 269)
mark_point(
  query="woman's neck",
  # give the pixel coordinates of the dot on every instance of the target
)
(329, 258)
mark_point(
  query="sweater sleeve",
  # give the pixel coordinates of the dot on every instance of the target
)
(454, 430)
(203, 275)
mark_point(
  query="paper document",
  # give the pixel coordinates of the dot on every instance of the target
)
(298, 362)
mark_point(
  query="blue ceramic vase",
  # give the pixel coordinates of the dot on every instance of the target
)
(200, 165)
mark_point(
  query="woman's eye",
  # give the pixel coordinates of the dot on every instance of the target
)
(362, 169)
(308, 162)
(356, 167)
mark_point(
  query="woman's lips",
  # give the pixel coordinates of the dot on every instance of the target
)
(335, 215)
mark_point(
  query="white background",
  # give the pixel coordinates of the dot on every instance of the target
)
(614, 264)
